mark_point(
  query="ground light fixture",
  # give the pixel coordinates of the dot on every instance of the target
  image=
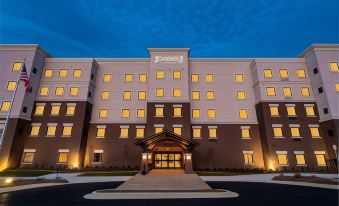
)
(8, 180)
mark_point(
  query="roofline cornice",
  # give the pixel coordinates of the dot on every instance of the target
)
(323, 47)
(25, 47)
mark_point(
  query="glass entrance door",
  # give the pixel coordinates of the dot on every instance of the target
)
(167, 160)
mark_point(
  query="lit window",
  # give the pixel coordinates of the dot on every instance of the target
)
(160, 74)
(128, 77)
(158, 129)
(177, 92)
(177, 111)
(11, 85)
(337, 87)
(282, 159)
(245, 133)
(291, 111)
(287, 91)
(196, 113)
(127, 95)
(320, 159)
(159, 92)
(334, 67)
(212, 132)
(59, 91)
(159, 111)
(140, 113)
(55, 110)
(48, 73)
(16, 66)
(35, 130)
(74, 91)
(51, 130)
(268, 73)
(274, 111)
(125, 113)
(142, 95)
(301, 73)
(67, 130)
(104, 95)
(314, 131)
(283, 73)
(107, 78)
(209, 78)
(243, 114)
(140, 133)
(248, 158)
(241, 95)
(5, 105)
(295, 132)
(177, 130)
(103, 113)
(195, 95)
(39, 109)
(277, 131)
(211, 114)
(239, 78)
(300, 158)
(142, 77)
(195, 77)
(77, 73)
(28, 157)
(270, 91)
(176, 74)
(210, 95)
(63, 73)
(43, 91)
(101, 132)
(305, 91)
(124, 132)
(196, 133)
(309, 111)
(70, 110)
(62, 158)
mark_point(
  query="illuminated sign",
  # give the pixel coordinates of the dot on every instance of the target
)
(169, 59)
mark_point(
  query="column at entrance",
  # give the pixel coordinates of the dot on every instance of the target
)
(188, 163)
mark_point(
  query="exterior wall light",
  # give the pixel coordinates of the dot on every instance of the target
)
(144, 156)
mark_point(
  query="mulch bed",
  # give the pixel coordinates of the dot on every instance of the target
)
(29, 182)
(311, 179)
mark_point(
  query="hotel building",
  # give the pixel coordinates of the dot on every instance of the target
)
(170, 111)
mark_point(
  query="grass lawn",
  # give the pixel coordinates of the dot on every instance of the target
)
(112, 173)
(223, 173)
(24, 173)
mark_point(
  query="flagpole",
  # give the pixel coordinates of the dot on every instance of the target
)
(11, 104)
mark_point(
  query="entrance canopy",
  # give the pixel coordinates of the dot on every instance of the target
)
(167, 136)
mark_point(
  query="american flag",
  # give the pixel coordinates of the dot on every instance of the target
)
(24, 77)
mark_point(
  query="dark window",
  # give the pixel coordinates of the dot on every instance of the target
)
(320, 90)
(92, 76)
(30, 90)
(315, 70)
(330, 133)
(24, 109)
(89, 94)
(35, 70)
(87, 113)
(20, 131)
(97, 157)
(325, 110)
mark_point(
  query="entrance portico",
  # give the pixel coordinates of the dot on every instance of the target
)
(166, 150)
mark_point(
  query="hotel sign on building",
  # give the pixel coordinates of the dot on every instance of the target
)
(170, 111)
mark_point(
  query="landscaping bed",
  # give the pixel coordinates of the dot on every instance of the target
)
(24, 173)
(111, 173)
(29, 182)
(308, 179)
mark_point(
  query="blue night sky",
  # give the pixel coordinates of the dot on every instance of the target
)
(211, 28)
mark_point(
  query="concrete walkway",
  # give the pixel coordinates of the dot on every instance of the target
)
(165, 182)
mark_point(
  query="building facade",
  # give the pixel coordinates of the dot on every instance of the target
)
(170, 111)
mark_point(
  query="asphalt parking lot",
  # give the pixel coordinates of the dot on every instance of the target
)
(250, 194)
